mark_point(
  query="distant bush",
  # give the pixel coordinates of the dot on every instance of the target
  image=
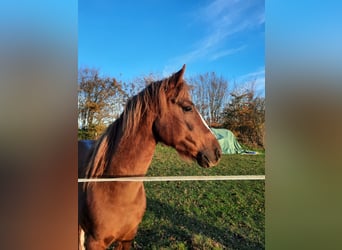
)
(245, 117)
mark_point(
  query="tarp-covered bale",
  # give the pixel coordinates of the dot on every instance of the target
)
(228, 142)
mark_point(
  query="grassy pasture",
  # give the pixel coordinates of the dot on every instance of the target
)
(203, 214)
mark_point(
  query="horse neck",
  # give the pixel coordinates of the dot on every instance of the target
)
(133, 155)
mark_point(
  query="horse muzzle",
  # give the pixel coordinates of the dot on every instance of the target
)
(207, 159)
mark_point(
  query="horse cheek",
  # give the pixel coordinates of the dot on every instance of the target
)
(161, 131)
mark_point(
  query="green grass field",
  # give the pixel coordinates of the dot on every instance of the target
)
(203, 214)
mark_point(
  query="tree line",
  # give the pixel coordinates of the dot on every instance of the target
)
(102, 99)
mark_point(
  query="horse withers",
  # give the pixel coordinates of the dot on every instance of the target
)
(110, 212)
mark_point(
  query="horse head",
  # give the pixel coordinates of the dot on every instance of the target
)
(181, 126)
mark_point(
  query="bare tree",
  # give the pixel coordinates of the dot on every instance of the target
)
(209, 94)
(138, 83)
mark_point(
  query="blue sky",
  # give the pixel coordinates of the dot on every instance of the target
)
(127, 39)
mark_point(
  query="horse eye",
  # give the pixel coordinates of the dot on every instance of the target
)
(187, 108)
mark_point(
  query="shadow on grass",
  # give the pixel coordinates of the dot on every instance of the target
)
(170, 224)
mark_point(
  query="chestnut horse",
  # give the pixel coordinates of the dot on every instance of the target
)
(110, 212)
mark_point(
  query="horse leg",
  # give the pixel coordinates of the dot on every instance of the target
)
(93, 244)
(80, 238)
(124, 245)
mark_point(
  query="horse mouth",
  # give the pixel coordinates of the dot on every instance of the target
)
(203, 160)
(208, 159)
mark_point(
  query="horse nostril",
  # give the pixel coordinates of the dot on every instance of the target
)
(205, 158)
(218, 153)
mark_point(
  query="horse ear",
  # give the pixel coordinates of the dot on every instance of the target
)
(176, 82)
(178, 77)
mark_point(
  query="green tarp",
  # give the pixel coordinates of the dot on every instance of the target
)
(228, 142)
